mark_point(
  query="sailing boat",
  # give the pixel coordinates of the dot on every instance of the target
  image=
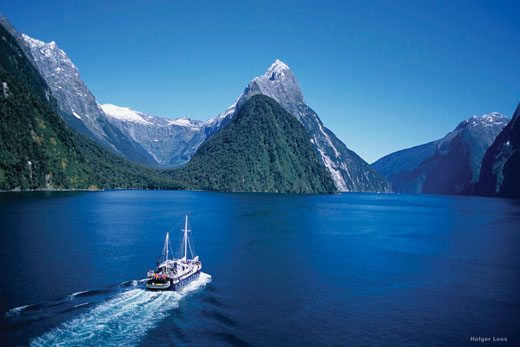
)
(173, 274)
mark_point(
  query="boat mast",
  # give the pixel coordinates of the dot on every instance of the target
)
(185, 238)
(166, 244)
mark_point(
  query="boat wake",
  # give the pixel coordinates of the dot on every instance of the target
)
(122, 320)
(16, 310)
(73, 295)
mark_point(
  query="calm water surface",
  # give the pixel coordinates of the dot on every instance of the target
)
(349, 269)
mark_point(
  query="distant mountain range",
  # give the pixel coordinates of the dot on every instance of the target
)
(269, 140)
(500, 171)
(165, 142)
(450, 165)
(170, 142)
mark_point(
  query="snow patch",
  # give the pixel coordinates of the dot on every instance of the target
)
(126, 114)
(76, 115)
(5, 89)
(123, 113)
(183, 122)
(493, 118)
(32, 42)
(277, 67)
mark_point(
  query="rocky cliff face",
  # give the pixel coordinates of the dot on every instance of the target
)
(63, 78)
(77, 105)
(500, 171)
(450, 165)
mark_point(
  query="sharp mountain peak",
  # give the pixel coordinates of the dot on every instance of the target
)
(277, 67)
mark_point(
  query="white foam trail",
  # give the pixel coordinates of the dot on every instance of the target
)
(71, 296)
(79, 305)
(122, 320)
(16, 310)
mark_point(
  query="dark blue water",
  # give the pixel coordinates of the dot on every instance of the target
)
(350, 269)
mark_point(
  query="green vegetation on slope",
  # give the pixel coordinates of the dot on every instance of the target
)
(38, 150)
(262, 149)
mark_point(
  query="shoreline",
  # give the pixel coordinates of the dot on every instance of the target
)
(50, 190)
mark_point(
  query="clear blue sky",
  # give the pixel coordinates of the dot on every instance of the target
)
(382, 75)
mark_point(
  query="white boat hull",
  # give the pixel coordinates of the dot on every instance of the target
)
(151, 285)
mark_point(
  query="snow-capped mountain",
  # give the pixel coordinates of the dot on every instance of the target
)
(450, 165)
(500, 171)
(349, 172)
(279, 83)
(136, 136)
(165, 142)
(76, 104)
(171, 142)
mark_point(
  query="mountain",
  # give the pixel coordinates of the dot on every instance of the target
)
(262, 148)
(38, 150)
(168, 142)
(76, 104)
(396, 167)
(158, 141)
(171, 142)
(349, 172)
(450, 165)
(500, 172)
